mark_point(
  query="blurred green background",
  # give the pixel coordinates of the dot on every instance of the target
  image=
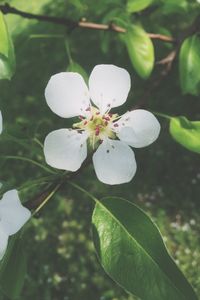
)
(62, 263)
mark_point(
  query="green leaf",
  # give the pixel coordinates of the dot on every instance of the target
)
(171, 6)
(132, 252)
(137, 5)
(186, 133)
(7, 56)
(75, 67)
(189, 65)
(140, 49)
(13, 268)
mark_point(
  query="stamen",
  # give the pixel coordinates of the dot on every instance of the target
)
(97, 131)
(85, 123)
(116, 125)
(81, 117)
(88, 109)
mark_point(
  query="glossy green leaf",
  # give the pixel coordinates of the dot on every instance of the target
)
(7, 56)
(132, 252)
(138, 5)
(75, 67)
(189, 65)
(186, 133)
(140, 49)
(13, 268)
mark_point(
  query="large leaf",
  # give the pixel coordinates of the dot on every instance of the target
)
(140, 49)
(137, 5)
(186, 133)
(189, 65)
(13, 268)
(7, 56)
(132, 252)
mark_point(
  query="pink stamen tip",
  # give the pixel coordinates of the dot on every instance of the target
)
(97, 130)
(85, 123)
(116, 125)
(91, 118)
(100, 141)
(97, 113)
(88, 109)
(106, 118)
(81, 117)
(110, 115)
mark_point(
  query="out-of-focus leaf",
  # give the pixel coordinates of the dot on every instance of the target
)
(140, 49)
(138, 5)
(189, 65)
(13, 268)
(75, 67)
(172, 6)
(7, 56)
(186, 133)
(132, 252)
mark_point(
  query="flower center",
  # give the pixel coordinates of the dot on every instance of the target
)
(97, 126)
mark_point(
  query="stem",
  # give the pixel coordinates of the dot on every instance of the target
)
(46, 199)
(162, 115)
(83, 190)
(7, 9)
(30, 161)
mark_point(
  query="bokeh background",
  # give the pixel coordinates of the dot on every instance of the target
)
(62, 263)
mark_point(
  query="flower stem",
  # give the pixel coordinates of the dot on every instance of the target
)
(30, 161)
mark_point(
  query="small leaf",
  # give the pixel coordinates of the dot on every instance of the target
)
(132, 252)
(186, 133)
(140, 49)
(138, 5)
(75, 67)
(189, 65)
(13, 268)
(7, 56)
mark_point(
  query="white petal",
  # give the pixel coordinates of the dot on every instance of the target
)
(114, 162)
(67, 94)
(1, 123)
(13, 215)
(65, 149)
(3, 242)
(138, 128)
(109, 86)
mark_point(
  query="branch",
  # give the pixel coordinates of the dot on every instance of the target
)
(7, 9)
(37, 201)
(167, 63)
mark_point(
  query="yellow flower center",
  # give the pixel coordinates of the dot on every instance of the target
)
(97, 126)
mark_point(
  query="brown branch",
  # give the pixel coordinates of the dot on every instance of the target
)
(37, 200)
(167, 63)
(7, 9)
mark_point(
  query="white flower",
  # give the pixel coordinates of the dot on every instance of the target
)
(110, 135)
(13, 215)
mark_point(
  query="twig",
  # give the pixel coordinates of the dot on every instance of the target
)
(166, 64)
(37, 201)
(7, 9)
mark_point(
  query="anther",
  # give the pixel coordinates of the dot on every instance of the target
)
(116, 125)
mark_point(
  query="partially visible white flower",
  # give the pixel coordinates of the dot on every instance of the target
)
(109, 134)
(13, 215)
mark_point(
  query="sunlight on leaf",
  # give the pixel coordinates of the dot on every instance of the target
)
(186, 133)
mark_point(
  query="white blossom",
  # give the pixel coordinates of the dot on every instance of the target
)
(108, 134)
(13, 215)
